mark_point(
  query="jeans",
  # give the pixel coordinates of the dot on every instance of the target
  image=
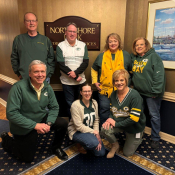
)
(71, 93)
(90, 142)
(48, 80)
(104, 108)
(154, 112)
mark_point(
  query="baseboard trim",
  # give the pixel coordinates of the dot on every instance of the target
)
(2, 102)
(163, 135)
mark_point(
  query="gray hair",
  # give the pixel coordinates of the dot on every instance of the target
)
(36, 62)
(71, 23)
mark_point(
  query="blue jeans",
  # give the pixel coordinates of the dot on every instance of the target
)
(71, 93)
(48, 80)
(154, 112)
(104, 108)
(90, 142)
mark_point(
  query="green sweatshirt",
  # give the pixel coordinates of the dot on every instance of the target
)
(98, 63)
(26, 49)
(24, 110)
(148, 74)
(128, 114)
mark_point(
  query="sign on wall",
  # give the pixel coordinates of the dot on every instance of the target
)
(87, 32)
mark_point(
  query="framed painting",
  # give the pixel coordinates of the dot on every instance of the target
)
(161, 30)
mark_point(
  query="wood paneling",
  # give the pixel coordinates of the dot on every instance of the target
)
(9, 28)
(3, 112)
(136, 26)
(110, 13)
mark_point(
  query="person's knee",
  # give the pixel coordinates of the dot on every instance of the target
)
(91, 144)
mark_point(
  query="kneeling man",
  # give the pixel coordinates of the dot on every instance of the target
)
(28, 117)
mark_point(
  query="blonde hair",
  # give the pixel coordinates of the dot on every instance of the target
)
(120, 72)
(117, 37)
(147, 44)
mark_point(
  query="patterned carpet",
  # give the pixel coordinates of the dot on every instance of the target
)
(145, 161)
(159, 161)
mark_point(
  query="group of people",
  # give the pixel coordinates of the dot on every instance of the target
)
(32, 107)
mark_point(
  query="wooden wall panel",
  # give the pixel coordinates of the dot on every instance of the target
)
(110, 13)
(9, 28)
(136, 26)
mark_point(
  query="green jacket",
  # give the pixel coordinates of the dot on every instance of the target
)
(24, 110)
(98, 63)
(128, 114)
(148, 74)
(26, 49)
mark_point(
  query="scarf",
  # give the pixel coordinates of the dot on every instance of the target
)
(108, 67)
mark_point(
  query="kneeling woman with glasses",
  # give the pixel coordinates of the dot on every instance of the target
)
(84, 125)
(126, 115)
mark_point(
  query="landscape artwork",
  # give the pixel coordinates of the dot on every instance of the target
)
(164, 34)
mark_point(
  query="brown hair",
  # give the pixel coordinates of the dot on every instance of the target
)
(117, 37)
(147, 44)
(71, 23)
(121, 72)
(81, 89)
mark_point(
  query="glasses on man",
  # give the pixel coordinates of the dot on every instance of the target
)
(70, 31)
(85, 92)
(29, 21)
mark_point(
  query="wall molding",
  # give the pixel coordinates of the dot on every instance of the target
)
(7, 79)
(3, 102)
(168, 96)
(163, 135)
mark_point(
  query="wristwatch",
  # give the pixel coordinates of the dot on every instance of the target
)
(49, 123)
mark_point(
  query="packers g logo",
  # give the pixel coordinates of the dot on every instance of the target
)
(126, 108)
(46, 94)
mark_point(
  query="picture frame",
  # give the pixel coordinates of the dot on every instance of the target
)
(161, 30)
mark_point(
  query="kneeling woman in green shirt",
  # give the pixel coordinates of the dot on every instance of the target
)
(126, 115)
(84, 124)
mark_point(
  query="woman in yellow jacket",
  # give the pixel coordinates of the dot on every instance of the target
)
(114, 58)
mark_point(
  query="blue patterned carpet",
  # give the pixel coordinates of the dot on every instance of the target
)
(145, 161)
(91, 165)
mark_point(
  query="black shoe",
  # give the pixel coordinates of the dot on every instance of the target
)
(4, 135)
(155, 144)
(61, 154)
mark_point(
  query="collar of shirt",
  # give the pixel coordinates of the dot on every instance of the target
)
(76, 43)
(38, 91)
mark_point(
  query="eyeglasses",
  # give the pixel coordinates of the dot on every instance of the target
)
(86, 92)
(69, 31)
(29, 21)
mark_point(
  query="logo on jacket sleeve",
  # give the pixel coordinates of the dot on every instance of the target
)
(46, 94)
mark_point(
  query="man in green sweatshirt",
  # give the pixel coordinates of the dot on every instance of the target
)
(28, 117)
(31, 46)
